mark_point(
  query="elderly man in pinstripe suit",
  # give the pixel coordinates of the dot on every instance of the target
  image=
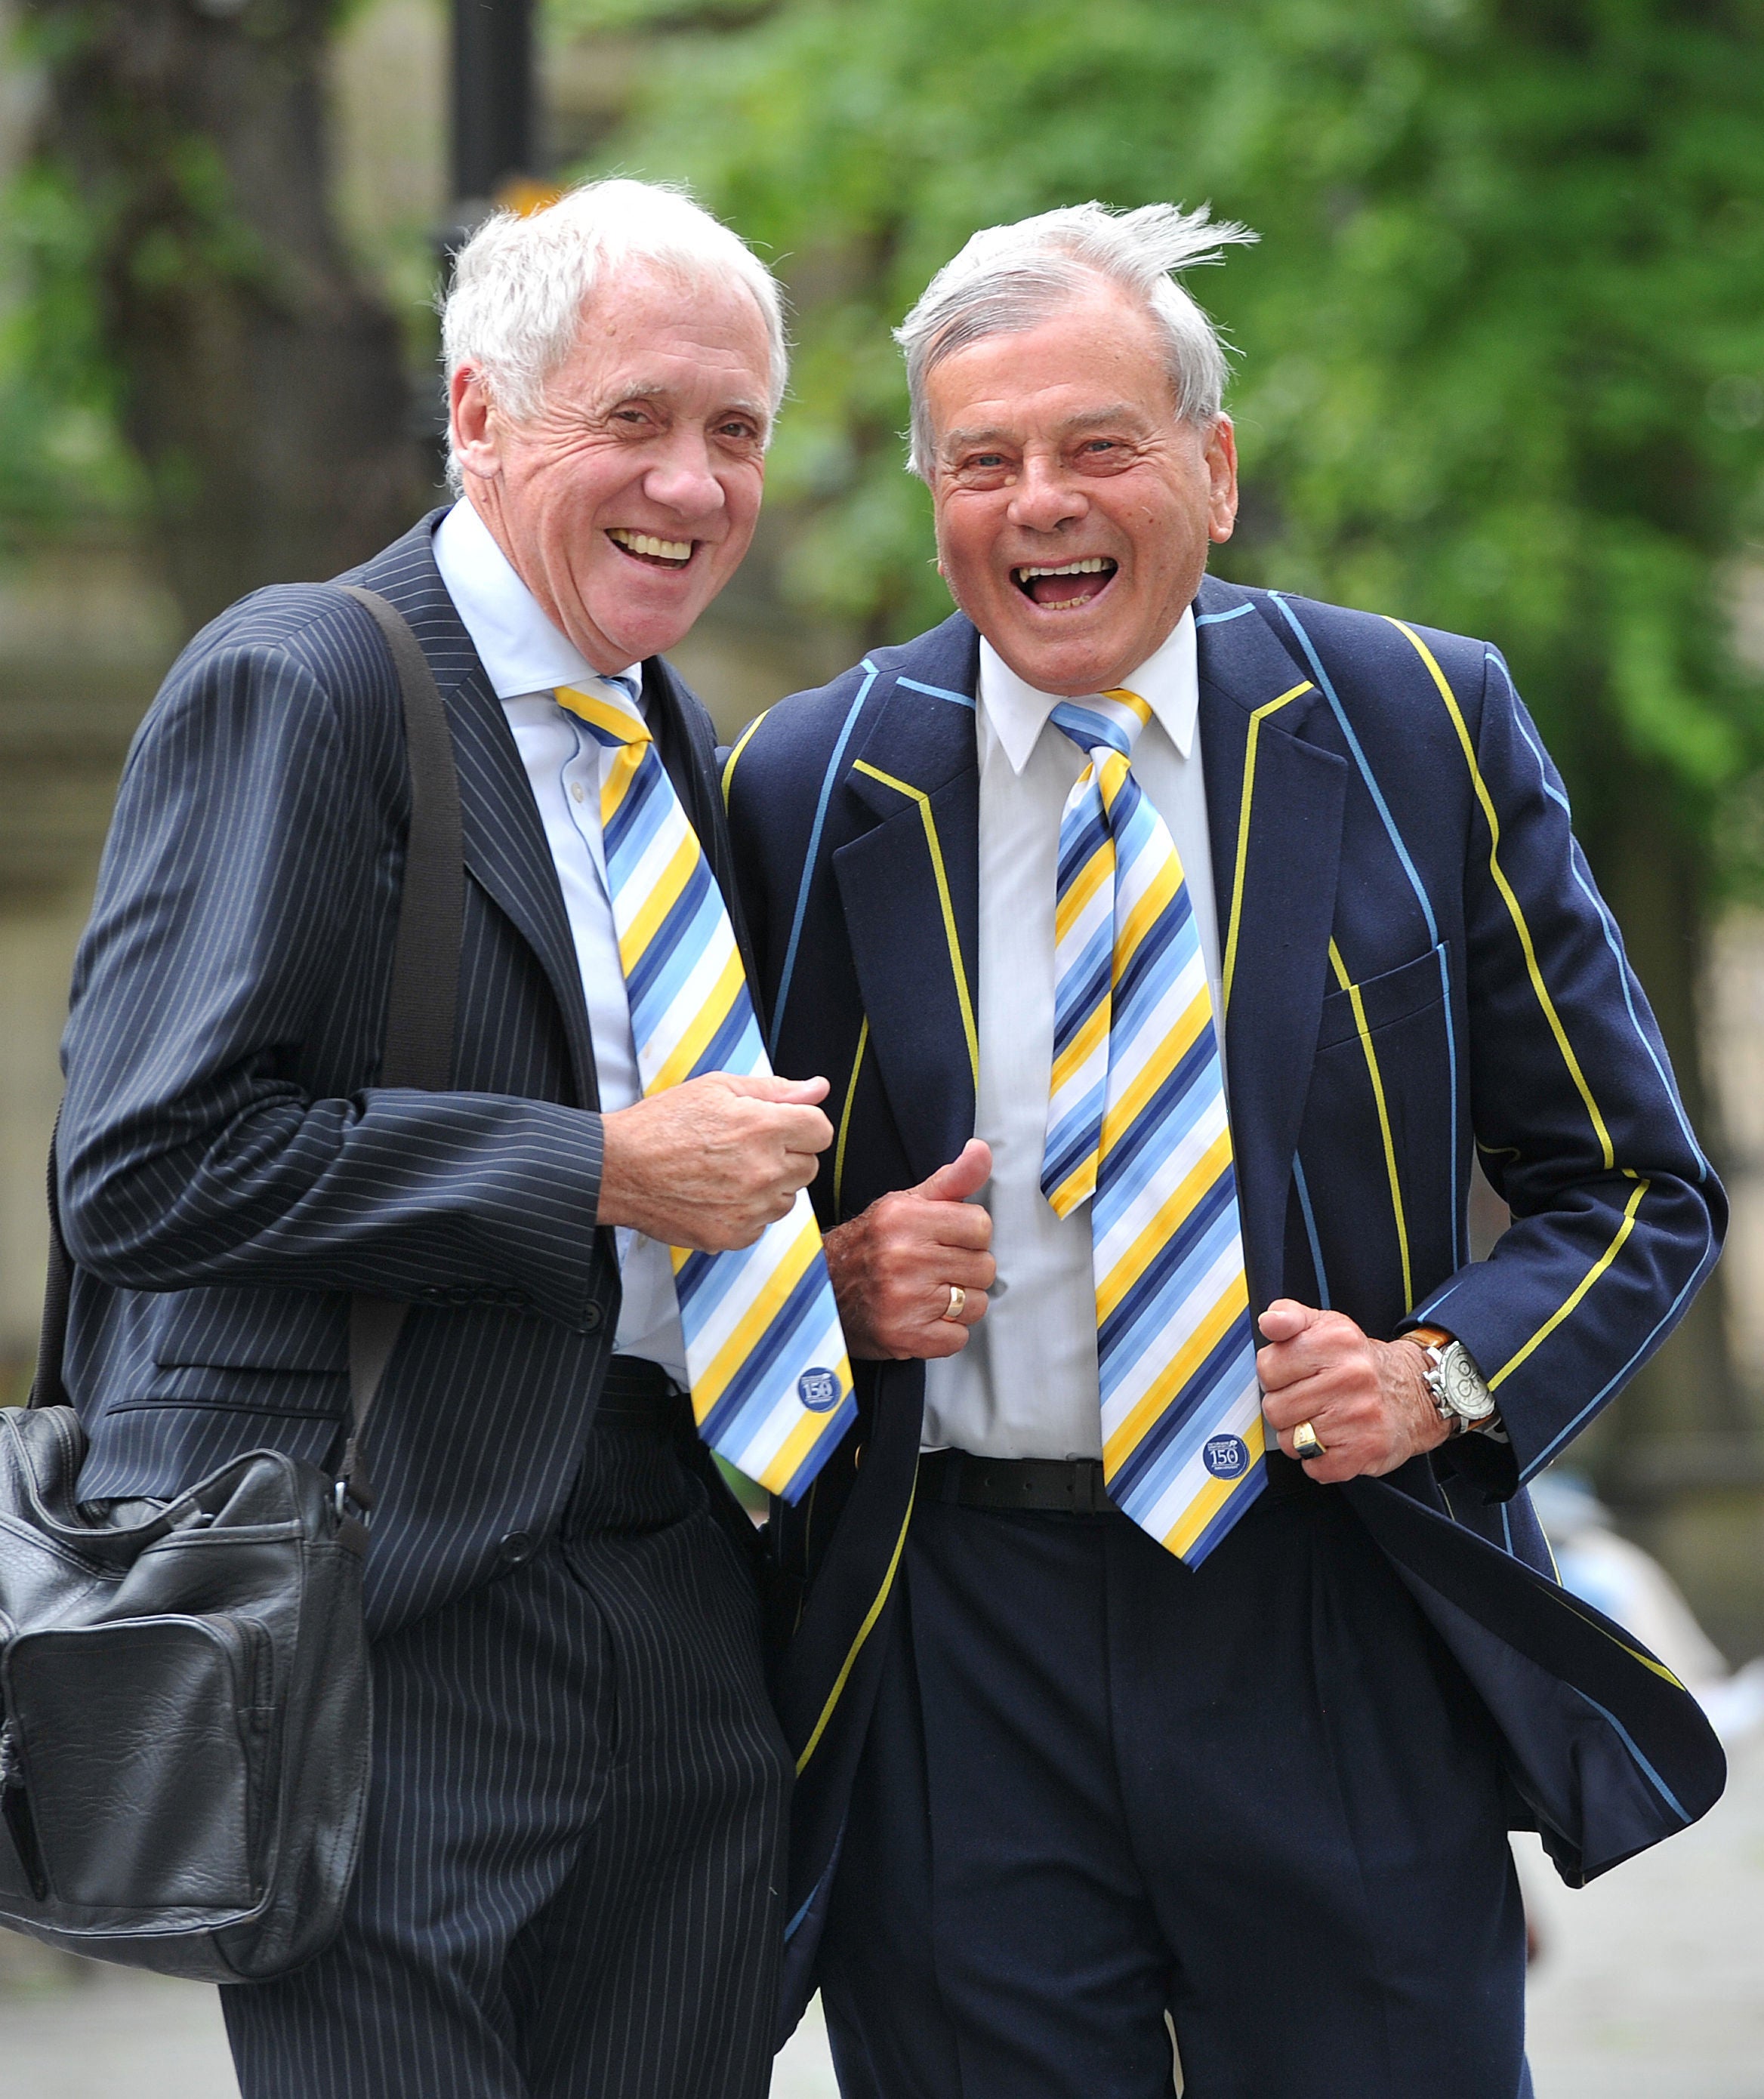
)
(574, 1858)
(1148, 1677)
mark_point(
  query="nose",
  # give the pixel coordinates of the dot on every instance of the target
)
(1045, 496)
(682, 478)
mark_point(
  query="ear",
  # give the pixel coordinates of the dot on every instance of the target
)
(472, 423)
(1222, 454)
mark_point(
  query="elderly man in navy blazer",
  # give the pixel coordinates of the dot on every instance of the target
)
(574, 1854)
(1173, 949)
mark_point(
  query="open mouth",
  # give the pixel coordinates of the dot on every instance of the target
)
(1064, 588)
(645, 548)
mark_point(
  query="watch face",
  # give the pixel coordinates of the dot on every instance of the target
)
(1465, 1392)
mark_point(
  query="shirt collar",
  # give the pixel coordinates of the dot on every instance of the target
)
(1167, 681)
(521, 650)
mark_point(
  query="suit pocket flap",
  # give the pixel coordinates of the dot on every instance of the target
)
(1410, 988)
(254, 1330)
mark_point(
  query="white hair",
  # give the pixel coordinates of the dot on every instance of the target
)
(1008, 279)
(522, 287)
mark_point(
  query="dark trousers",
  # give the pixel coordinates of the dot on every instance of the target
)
(1099, 1788)
(570, 1883)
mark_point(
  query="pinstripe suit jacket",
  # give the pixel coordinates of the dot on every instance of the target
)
(1415, 961)
(230, 1171)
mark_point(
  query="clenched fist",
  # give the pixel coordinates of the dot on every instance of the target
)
(1366, 1399)
(709, 1164)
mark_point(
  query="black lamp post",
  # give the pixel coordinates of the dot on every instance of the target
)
(494, 138)
(494, 144)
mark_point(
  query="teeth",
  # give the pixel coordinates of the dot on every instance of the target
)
(1094, 566)
(641, 543)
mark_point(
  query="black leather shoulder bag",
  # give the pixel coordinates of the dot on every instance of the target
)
(184, 1701)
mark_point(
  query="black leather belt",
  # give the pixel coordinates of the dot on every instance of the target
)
(1074, 1486)
(640, 1394)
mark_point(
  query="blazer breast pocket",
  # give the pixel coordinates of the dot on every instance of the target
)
(1376, 1194)
(1411, 988)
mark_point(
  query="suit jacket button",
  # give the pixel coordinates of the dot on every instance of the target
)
(516, 1548)
(591, 1318)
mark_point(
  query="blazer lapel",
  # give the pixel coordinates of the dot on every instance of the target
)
(910, 888)
(504, 840)
(1275, 803)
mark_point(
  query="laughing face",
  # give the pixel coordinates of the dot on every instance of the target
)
(627, 502)
(1074, 506)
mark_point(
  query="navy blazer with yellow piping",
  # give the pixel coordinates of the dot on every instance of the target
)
(1415, 960)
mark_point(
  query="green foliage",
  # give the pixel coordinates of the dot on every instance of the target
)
(1502, 345)
(61, 454)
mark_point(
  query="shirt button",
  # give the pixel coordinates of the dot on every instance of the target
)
(575, 791)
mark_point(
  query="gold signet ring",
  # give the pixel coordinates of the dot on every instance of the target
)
(957, 1298)
(1305, 1441)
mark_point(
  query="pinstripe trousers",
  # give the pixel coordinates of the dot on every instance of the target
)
(572, 1864)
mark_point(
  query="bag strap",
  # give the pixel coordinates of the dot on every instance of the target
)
(420, 1009)
(47, 1388)
(426, 960)
(425, 981)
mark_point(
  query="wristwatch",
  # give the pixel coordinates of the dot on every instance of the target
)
(1460, 1391)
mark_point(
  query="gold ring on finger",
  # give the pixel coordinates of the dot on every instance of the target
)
(1305, 1442)
(957, 1298)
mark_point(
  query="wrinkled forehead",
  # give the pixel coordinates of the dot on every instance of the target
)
(654, 331)
(1031, 419)
(1097, 362)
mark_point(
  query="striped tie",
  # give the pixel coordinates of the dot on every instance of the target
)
(1137, 1123)
(771, 1383)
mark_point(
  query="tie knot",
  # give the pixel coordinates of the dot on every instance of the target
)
(611, 715)
(1111, 720)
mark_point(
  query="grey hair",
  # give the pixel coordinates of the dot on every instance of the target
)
(1008, 279)
(521, 286)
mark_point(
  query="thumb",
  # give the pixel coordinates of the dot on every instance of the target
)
(1285, 1319)
(764, 1086)
(963, 1176)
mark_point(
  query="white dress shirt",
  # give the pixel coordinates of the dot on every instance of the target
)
(1026, 1385)
(525, 657)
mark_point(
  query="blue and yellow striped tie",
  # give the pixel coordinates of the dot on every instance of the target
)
(770, 1382)
(1136, 1124)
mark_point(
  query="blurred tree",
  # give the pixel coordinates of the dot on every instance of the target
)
(1502, 344)
(184, 290)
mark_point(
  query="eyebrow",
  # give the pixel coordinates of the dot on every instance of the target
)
(993, 433)
(651, 389)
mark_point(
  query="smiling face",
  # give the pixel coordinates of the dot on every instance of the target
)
(627, 501)
(1074, 506)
